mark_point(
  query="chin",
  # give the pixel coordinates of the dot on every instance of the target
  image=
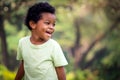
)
(47, 38)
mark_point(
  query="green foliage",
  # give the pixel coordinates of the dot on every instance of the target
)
(64, 27)
(96, 21)
(5, 74)
(113, 45)
(113, 9)
(109, 72)
(56, 3)
(13, 35)
(70, 76)
(111, 62)
(10, 29)
(82, 75)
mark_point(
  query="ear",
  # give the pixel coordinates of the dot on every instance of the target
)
(32, 24)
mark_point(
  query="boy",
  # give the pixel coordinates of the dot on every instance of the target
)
(42, 57)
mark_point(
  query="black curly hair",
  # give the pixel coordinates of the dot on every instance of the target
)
(35, 11)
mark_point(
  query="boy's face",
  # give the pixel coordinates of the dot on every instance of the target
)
(44, 28)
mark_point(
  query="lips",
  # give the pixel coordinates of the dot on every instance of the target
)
(49, 33)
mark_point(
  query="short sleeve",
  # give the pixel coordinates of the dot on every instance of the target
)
(58, 56)
(19, 51)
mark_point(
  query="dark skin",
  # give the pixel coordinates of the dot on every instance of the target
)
(20, 72)
(40, 36)
(60, 73)
(59, 70)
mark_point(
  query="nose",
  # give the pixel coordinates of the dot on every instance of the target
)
(51, 27)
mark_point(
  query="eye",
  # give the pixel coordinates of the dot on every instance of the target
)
(54, 24)
(47, 22)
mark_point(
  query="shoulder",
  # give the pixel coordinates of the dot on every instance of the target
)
(54, 42)
(24, 39)
(55, 45)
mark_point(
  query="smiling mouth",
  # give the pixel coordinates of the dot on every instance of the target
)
(49, 33)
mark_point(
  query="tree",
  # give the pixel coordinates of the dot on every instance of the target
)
(7, 9)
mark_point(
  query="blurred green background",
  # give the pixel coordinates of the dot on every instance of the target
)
(87, 30)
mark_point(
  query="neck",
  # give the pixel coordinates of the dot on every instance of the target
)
(36, 40)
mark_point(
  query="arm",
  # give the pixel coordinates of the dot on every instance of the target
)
(60, 73)
(20, 72)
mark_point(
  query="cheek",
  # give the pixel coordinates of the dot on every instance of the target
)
(53, 30)
(41, 29)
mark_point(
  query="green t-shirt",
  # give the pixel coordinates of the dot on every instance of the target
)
(40, 60)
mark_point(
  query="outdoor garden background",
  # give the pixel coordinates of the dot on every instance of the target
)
(87, 30)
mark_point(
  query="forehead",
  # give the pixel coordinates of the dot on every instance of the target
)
(48, 16)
